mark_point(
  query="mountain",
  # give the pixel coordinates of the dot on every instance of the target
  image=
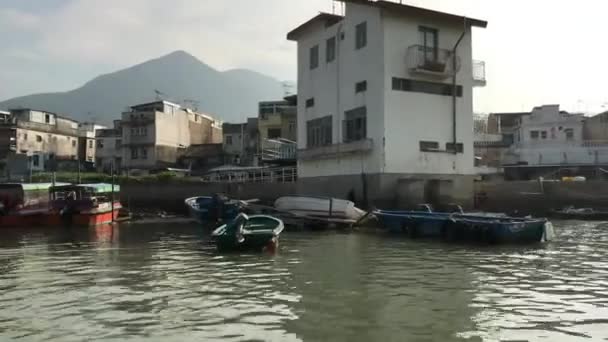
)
(230, 96)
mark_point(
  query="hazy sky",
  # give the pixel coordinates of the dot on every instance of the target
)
(537, 51)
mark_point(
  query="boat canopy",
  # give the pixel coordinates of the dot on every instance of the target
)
(97, 188)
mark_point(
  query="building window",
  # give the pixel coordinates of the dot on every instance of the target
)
(274, 133)
(38, 138)
(314, 57)
(47, 118)
(73, 143)
(24, 136)
(429, 146)
(310, 102)
(426, 87)
(361, 87)
(543, 134)
(361, 36)
(229, 140)
(100, 143)
(133, 131)
(143, 131)
(292, 127)
(330, 49)
(134, 153)
(450, 147)
(569, 133)
(90, 143)
(117, 143)
(319, 132)
(429, 40)
(534, 134)
(144, 153)
(355, 124)
(36, 160)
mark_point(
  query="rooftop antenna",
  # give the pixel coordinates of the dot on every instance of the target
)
(192, 104)
(159, 95)
(287, 89)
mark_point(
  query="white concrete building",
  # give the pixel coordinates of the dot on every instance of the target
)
(548, 137)
(375, 98)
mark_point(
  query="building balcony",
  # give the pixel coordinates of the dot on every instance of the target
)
(479, 73)
(336, 150)
(437, 63)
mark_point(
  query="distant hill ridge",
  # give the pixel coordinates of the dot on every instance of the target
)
(230, 96)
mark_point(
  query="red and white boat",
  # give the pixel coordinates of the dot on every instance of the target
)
(24, 204)
(84, 204)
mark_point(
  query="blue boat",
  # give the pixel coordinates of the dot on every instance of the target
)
(212, 209)
(491, 229)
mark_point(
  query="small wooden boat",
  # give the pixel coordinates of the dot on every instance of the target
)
(319, 207)
(584, 214)
(465, 227)
(257, 233)
(212, 209)
(84, 204)
(23, 204)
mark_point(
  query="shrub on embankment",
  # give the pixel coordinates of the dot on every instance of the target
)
(88, 178)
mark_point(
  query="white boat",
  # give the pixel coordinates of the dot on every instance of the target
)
(319, 207)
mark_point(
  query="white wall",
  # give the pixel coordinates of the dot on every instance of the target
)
(412, 117)
(323, 83)
(396, 120)
(549, 119)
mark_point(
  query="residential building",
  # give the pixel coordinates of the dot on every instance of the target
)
(241, 142)
(547, 140)
(5, 117)
(109, 148)
(86, 142)
(201, 158)
(595, 128)
(155, 134)
(278, 119)
(43, 136)
(377, 109)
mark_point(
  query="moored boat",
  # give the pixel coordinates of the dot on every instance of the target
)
(319, 207)
(256, 233)
(24, 204)
(464, 227)
(84, 204)
(212, 209)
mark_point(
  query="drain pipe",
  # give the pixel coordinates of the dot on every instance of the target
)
(454, 87)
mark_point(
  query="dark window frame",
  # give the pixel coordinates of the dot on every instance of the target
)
(330, 49)
(429, 42)
(428, 146)
(361, 35)
(360, 87)
(314, 57)
(310, 102)
(450, 147)
(319, 132)
(426, 87)
(534, 135)
(355, 124)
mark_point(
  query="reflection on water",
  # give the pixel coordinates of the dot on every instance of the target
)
(166, 283)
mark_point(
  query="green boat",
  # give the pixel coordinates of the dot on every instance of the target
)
(249, 233)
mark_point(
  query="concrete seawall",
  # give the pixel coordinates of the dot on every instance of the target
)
(525, 197)
(530, 197)
(170, 196)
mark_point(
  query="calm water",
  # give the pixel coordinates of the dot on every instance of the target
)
(165, 283)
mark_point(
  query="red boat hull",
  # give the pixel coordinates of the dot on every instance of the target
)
(92, 218)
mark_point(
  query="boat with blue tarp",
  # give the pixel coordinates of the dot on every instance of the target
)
(213, 209)
(494, 229)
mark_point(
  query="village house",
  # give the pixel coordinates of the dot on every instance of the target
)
(156, 134)
(43, 137)
(241, 143)
(378, 111)
(108, 154)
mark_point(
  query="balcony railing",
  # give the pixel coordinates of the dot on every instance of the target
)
(479, 72)
(431, 61)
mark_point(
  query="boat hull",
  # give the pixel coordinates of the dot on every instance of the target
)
(450, 227)
(319, 207)
(199, 209)
(255, 233)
